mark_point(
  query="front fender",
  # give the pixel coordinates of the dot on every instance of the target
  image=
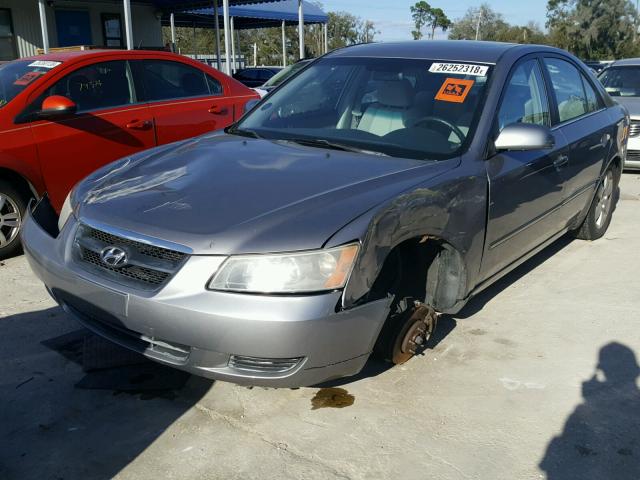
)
(452, 210)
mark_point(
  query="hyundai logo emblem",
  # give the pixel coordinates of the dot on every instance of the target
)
(114, 257)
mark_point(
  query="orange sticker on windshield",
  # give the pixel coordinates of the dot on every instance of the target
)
(454, 90)
(27, 78)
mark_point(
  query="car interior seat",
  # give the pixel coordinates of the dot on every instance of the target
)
(390, 111)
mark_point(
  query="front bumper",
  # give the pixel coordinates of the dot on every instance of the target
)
(207, 333)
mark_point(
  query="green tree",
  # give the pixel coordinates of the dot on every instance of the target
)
(424, 15)
(491, 25)
(594, 29)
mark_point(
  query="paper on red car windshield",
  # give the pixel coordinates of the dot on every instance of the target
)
(27, 78)
(44, 64)
(454, 90)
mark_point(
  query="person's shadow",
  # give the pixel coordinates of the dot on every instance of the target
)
(601, 438)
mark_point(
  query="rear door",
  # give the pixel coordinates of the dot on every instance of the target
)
(109, 124)
(525, 187)
(183, 100)
(583, 120)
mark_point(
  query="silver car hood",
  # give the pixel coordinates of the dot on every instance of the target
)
(632, 104)
(224, 194)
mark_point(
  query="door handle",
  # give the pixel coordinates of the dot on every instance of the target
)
(139, 125)
(561, 161)
(218, 110)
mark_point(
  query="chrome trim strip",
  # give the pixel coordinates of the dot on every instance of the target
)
(136, 237)
(522, 228)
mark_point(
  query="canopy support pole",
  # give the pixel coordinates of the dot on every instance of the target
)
(172, 21)
(217, 22)
(43, 25)
(227, 40)
(301, 28)
(284, 44)
(325, 31)
(233, 46)
(127, 24)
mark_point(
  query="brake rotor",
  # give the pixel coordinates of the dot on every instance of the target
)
(415, 334)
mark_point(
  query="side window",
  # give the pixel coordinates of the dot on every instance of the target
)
(101, 85)
(265, 75)
(593, 103)
(167, 80)
(568, 89)
(215, 87)
(525, 99)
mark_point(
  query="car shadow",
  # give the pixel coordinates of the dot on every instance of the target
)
(447, 323)
(477, 303)
(78, 406)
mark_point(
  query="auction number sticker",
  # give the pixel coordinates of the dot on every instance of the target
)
(460, 68)
(44, 64)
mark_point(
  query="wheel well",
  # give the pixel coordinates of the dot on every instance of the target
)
(18, 180)
(425, 268)
(617, 163)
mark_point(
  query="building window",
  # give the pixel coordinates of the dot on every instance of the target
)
(7, 40)
(112, 30)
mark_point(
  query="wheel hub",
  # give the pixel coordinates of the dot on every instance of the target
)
(10, 220)
(415, 335)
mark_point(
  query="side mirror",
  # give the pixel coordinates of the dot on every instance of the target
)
(524, 136)
(57, 106)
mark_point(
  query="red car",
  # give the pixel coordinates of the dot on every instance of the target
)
(64, 115)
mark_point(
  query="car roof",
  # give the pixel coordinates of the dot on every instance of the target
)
(460, 50)
(629, 62)
(82, 54)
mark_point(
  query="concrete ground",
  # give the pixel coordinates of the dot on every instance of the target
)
(536, 378)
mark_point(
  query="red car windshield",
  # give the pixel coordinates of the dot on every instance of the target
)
(16, 76)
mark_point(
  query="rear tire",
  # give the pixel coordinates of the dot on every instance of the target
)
(601, 211)
(13, 205)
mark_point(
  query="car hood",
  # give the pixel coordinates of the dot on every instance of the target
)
(224, 194)
(631, 103)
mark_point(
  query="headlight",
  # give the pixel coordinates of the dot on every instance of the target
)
(67, 209)
(315, 271)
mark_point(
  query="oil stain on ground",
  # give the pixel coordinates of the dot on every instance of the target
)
(332, 398)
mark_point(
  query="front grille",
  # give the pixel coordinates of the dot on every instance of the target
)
(634, 128)
(633, 156)
(263, 365)
(148, 266)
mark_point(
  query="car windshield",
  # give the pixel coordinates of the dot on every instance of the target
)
(621, 81)
(285, 73)
(16, 76)
(411, 108)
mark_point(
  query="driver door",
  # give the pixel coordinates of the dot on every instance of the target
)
(525, 187)
(107, 126)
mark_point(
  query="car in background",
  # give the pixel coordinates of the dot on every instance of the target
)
(621, 80)
(596, 65)
(381, 186)
(255, 76)
(64, 115)
(281, 76)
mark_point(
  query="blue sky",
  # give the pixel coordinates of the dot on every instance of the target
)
(393, 18)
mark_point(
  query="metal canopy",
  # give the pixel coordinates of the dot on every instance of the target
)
(252, 16)
(181, 5)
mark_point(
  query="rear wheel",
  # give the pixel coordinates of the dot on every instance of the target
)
(407, 331)
(599, 217)
(13, 204)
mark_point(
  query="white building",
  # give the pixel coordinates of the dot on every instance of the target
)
(74, 23)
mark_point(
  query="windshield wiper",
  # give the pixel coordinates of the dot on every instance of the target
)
(322, 143)
(243, 132)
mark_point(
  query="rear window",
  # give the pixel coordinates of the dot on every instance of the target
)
(16, 76)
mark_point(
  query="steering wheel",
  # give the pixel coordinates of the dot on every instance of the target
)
(441, 121)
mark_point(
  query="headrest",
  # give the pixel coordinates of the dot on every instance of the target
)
(398, 93)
